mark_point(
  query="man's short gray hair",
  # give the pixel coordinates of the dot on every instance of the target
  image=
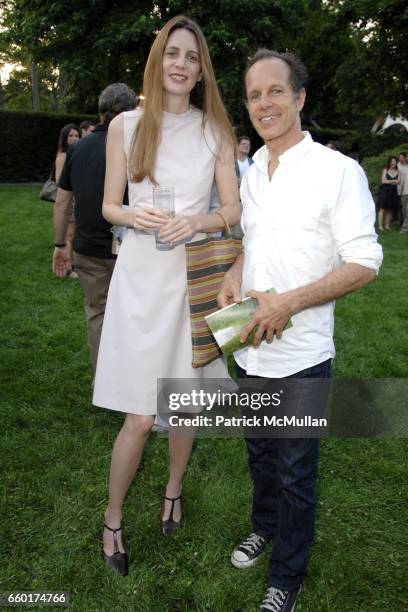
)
(115, 99)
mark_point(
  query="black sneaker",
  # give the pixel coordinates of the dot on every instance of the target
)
(278, 600)
(246, 553)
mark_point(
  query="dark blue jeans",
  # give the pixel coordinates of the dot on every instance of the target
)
(284, 475)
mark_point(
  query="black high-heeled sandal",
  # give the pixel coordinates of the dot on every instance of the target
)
(118, 562)
(169, 526)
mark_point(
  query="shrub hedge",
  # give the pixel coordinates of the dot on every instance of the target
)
(28, 143)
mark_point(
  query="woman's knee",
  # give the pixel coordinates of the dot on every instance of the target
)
(138, 424)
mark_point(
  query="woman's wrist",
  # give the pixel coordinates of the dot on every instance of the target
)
(198, 224)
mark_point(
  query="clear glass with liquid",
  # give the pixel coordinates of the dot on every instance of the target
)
(163, 198)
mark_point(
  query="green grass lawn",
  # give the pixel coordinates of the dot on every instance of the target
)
(55, 451)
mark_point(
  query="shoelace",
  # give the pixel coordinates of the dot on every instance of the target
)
(274, 600)
(252, 542)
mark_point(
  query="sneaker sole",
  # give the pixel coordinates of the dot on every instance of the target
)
(243, 564)
(293, 607)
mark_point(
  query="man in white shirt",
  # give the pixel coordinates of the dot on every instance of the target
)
(403, 190)
(308, 221)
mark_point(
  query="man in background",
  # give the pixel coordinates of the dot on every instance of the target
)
(83, 176)
(243, 160)
(86, 127)
(242, 164)
(403, 190)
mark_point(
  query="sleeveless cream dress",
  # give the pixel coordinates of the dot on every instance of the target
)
(146, 332)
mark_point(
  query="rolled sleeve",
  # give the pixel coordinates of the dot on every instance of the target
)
(352, 220)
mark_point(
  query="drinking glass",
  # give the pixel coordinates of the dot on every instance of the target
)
(163, 198)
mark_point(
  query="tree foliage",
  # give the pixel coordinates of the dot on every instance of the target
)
(374, 77)
(350, 47)
(17, 94)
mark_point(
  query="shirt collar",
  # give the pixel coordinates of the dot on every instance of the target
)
(292, 155)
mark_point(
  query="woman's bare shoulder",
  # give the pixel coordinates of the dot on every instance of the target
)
(124, 121)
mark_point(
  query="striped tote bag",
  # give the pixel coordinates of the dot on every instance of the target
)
(207, 262)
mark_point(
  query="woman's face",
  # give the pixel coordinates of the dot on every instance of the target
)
(181, 63)
(72, 137)
(393, 163)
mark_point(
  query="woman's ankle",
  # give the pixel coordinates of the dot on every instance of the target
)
(173, 488)
(113, 517)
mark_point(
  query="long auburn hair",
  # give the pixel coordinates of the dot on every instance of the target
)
(205, 95)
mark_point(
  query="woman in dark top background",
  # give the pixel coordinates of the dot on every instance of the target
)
(69, 135)
(388, 200)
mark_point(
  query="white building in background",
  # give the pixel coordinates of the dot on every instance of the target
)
(383, 123)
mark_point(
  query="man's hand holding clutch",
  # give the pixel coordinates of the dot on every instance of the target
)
(271, 316)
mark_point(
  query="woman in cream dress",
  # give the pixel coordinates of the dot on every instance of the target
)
(146, 333)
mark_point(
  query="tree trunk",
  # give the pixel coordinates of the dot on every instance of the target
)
(63, 88)
(35, 92)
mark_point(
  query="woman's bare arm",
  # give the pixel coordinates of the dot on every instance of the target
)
(184, 227)
(115, 183)
(59, 164)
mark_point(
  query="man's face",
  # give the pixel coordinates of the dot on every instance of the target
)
(244, 146)
(273, 106)
(402, 159)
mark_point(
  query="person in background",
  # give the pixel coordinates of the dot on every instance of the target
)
(403, 190)
(243, 160)
(242, 163)
(388, 198)
(310, 235)
(69, 135)
(83, 176)
(86, 127)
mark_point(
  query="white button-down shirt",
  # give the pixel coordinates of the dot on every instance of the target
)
(313, 215)
(402, 187)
